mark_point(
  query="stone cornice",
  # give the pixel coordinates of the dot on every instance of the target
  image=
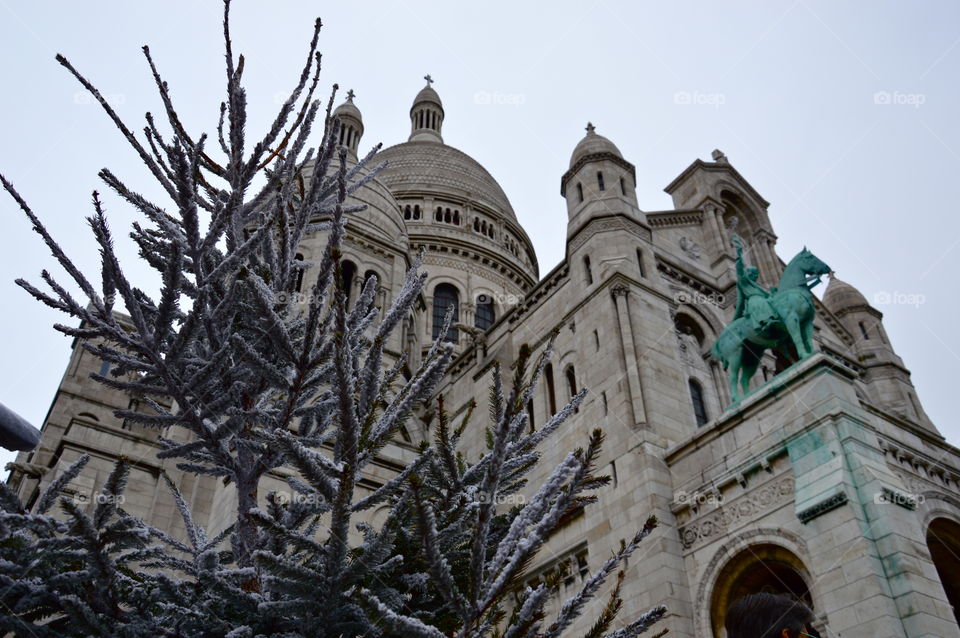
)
(680, 275)
(670, 218)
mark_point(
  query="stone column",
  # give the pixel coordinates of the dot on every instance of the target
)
(715, 224)
(628, 345)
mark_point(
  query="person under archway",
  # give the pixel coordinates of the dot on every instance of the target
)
(766, 615)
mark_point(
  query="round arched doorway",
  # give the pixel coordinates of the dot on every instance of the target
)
(943, 540)
(759, 568)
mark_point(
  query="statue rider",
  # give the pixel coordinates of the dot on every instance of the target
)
(753, 300)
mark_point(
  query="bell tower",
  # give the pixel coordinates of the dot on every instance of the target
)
(599, 182)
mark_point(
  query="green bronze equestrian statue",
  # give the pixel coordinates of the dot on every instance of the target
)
(777, 318)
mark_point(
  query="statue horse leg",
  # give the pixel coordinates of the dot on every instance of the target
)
(749, 361)
(791, 322)
(806, 330)
(734, 363)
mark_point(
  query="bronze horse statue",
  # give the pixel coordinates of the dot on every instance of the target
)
(741, 345)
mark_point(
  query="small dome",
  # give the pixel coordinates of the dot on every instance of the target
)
(592, 144)
(840, 296)
(427, 94)
(348, 109)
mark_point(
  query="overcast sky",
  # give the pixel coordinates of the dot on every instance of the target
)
(843, 115)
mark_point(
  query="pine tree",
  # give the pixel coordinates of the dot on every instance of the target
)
(259, 383)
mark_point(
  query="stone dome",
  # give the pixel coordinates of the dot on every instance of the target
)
(427, 94)
(840, 296)
(438, 169)
(382, 217)
(593, 144)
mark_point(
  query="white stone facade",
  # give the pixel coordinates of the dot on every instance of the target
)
(828, 481)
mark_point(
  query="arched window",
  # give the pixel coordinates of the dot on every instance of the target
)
(863, 331)
(623, 186)
(551, 393)
(588, 273)
(439, 214)
(476, 225)
(406, 212)
(416, 211)
(759, 568)
(456, 217)
(297, 284)
(348, 271)
(640, 262)
(445, 296)
(485, 313)
(533, 425)
(104, 368)
(446, 216)
(571, 381)
(600, 181)
(580, 192)
(699, 405)
(943, 541)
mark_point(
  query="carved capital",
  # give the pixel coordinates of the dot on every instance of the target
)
(620, 290)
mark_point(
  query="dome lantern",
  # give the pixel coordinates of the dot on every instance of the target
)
(351, 125)
(426, 115)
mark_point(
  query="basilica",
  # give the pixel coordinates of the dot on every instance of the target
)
(826, 481)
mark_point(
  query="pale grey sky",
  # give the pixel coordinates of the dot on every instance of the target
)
(842, 114)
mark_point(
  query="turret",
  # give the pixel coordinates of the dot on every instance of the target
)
(599, 182)
(887, 377)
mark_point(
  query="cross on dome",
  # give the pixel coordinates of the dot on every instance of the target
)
(350, 95)
(428, 79)
(590, 128)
